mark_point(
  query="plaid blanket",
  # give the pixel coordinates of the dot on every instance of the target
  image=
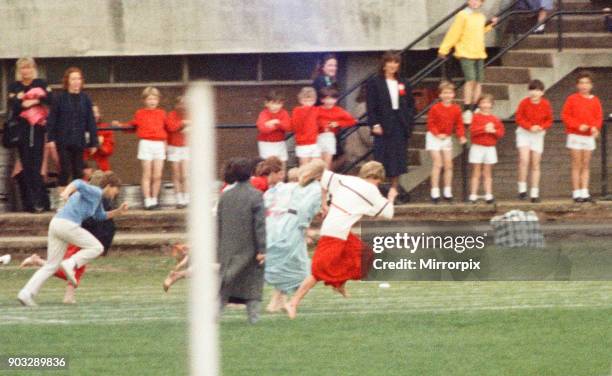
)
(517, 228)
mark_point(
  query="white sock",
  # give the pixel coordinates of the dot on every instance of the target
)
(576, 193)
(489, 196)
(148, 202)
(153, 200)
(186, 197)
(435, 193)
(179, 198)
(522, 187)
(473, 197)
(584, 193)
(535, 192)
(448, 192)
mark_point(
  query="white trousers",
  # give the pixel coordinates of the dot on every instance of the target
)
(61, 233)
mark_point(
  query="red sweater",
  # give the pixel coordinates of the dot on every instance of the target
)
(105, 148)
(443, 119)
(174, 127)
(479, 136)
(150, 124)
(529, 114)
(304, 124)
(276, 133)
(579, 110)
(337, 114)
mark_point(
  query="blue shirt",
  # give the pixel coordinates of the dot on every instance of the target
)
(85, 203)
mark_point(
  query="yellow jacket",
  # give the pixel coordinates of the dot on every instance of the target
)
(467, 35)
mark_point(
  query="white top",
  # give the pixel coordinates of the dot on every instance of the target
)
(393, 87)
(351, 199)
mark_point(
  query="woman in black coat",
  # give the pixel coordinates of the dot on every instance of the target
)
(32, 140)
(71, 126)
(390, 114)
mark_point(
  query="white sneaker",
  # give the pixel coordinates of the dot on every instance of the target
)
(5, 260)
(68, 266)
(25, 298)
(467, 117)
(539, 29)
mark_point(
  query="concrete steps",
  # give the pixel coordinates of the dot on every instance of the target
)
(570, 40)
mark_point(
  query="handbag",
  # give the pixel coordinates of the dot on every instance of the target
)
(13, 131)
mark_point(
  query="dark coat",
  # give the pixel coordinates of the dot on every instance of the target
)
(322, 81)
(242, 234)
(392, 147)
(60, 126)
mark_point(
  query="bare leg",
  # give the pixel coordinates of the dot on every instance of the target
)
(306, 286)
(585, 169)
(468, 92)
(487, 171)
(576, 166)
(69, 294)
(158, 166)
(447, 159)
(145, 182)
(33, 260)
(475, 180)
(476, 91)
(176, 177)
(184, 176)
(523, 164)
(327, 158)
(436, 157)
(541, 15)
(536, 158)
(275, 302)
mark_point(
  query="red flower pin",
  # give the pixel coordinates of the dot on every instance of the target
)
(402, 89)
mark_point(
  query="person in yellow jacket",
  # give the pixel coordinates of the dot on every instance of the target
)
(467, 36)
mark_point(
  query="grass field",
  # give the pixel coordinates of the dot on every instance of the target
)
(124, 324)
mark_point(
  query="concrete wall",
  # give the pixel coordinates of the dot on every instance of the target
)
(44, 28)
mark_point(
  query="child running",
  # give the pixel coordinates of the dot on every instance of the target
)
(338, 255)
(83, 201)
(443, 119)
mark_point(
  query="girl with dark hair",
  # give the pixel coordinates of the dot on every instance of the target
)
(390, 115)
(325, 75)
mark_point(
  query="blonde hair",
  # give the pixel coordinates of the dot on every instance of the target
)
(446, 85)
(150, 90)
(486, 97)
(311, 171)
(307, 92)
(103, 178)
(372, 170)
(25, 61)
(293, 175)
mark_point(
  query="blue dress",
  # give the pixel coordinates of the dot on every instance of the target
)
(290, 209)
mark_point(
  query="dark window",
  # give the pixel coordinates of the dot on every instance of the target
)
(296, 66)
(148, 69)
(95, 70)
(223, 68)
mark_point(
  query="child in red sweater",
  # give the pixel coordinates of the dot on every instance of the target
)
(150, 123)
(304, 126)
(583, 117)
(178, 151)
(533, 116)
(486, 130)
(272, 124)
(443, 119)
(330, 119)
(106, 142)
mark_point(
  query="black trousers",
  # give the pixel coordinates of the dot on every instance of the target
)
(32, 187)
(71, 163)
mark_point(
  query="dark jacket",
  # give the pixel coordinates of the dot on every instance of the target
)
(64, 130)
(242, 234)
(379, 105)
(322, 81)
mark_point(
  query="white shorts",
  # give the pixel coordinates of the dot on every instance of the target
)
(532, 140)
(579, 142)
(307, 151)
(273, 149)
(149, 150)
(326, 142)
(483, 154)
(432, 142)
(178, 153)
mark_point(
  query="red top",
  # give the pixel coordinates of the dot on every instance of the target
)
(174, 127)
(443, 119)
(304, 124)
(337, 114)
(260, 183)
(107, 146)
(277, 132)
(150, 124)
(479, 136)
(579, 110)
(529, 114)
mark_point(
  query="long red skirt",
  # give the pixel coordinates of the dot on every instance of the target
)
(335, 261)
(72, 249)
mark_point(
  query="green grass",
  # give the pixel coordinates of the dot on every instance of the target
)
(124, 324)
